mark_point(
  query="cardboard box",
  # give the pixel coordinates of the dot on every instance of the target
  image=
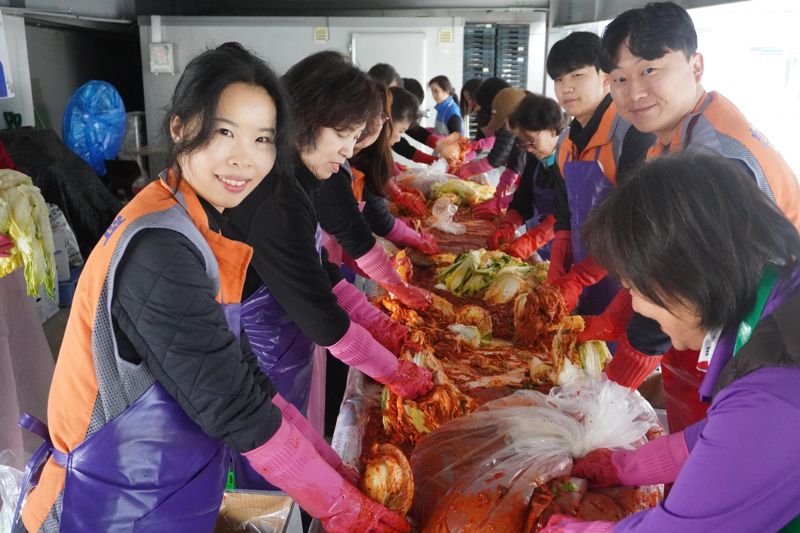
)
(45, 307)
(254, 512)
(61, 254)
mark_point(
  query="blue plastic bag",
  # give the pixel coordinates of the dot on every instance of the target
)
(94, 123)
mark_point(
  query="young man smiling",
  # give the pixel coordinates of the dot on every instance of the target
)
(656, 76)
(599, 147)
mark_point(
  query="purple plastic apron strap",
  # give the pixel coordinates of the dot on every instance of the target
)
(33, 469)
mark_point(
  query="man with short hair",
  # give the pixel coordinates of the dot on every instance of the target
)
(656, 74)
(598, 148)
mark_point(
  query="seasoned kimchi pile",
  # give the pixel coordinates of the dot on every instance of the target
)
(495, 327)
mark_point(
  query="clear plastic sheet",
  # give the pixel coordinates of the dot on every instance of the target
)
(10, 481)
(480, 472)
(442, 213)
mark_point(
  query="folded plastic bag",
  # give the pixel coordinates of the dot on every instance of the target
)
(442, 213)
(423, 179)
(10, 482)
(481, 472)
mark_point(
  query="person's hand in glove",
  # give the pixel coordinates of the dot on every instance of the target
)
(377, 265)
(611, 324)
(448, 147)
(6, 245)
(560, 523)
(403, 235)
(657, 461)
(582, 275)
(523, 246)
(410, 381)
(476, 166)
(504, 230)
(560, 255)
(491, 208)
(412, 296)
(289, 461)
(383, 329)
(357, 348)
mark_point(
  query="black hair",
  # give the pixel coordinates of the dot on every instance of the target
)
(375, 160)
(444, 84)
(405, 105)
(692, 228)
(468, 88)
(197, 95)
(328, 91)
(651, 32)
(538, 113)
(385, 73)
(577, 50)
(414, 87)
(484, 96)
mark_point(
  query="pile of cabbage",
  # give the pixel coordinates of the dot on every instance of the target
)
(24, 217)
(502, 276)
(468, 192)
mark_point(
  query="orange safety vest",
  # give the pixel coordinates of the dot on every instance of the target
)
(91, 384)
(716, 125)
(605, 146)
(358, 184)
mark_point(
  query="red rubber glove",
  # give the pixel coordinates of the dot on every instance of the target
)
(476, 166)
(596, 466)
(533, 239)
(410, 380)
(422, 157)
(504, 230)
(629, 367)
(434, 138)
(580, 276)
(6, 245)
(560, 255)
(560, 523)
(290, 462)
(611, 324)
(488, 210)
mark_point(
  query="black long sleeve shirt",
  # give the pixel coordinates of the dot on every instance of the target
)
(376, 213)
(280, 225)
(339, 215)
(165, 316)
(545, 177)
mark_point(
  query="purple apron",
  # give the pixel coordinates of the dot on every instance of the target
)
(587, 186)
(284, 354)
(149, 469)
(543, 199)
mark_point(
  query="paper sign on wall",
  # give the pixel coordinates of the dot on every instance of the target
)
(6, 83)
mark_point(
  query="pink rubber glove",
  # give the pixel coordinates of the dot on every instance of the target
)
(580, 276)
(476, 166)
(507, 183)
(290, 462)
(383, 329)
(658, 461)
(296, 418)
(560, 523)
(357, 348)
(377, 265)
(486, 143)
(403, 235)
(6, 245)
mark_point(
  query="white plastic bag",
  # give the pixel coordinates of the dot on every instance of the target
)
(483, 469)
(423, 179)
(10, 482)
(442, 213)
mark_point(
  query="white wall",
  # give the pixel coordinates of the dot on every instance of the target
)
(283, 41)
(22, 101)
